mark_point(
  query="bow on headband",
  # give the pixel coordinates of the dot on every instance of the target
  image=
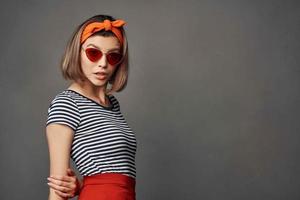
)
(107, 25)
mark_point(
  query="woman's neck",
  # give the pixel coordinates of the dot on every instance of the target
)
(96, 93)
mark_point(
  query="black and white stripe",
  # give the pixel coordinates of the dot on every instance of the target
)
(103, 141)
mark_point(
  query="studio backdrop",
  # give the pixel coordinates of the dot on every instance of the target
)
(212, 96)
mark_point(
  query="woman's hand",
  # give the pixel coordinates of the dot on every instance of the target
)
(65, 186)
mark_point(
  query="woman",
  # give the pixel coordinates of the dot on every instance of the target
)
(85, 122)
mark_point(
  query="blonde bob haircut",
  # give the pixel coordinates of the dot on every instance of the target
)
(71, 60)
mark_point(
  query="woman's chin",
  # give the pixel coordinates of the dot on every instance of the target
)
(99, 82)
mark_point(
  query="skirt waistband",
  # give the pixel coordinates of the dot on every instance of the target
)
(109, 178)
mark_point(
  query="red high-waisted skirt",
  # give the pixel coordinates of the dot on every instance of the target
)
(108, 186)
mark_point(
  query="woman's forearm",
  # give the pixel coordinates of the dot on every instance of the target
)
(54, 196)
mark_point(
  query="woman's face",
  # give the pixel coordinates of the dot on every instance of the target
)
(92, 69)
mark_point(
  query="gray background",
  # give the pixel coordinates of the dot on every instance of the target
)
(213, 95)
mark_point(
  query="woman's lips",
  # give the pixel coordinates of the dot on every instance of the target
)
(101, 76)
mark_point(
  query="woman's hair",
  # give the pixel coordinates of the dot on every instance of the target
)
(71, 60)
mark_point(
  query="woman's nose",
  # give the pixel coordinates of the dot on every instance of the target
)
(103, 61)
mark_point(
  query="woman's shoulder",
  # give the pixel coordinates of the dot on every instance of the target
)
(64, 110)
(64, 96)
(114, 100)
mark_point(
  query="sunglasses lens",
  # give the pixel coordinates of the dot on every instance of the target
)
(93, 54)
(114, 58)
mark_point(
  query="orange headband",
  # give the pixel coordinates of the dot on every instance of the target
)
(107, 25)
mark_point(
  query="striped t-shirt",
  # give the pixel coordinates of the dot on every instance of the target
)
(103, 141)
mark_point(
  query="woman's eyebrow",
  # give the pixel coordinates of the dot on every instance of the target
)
(100, 48)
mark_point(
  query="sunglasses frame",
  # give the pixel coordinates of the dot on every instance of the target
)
(84, 49)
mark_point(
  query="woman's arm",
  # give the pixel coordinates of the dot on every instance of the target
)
(59, 138)
(66, 186)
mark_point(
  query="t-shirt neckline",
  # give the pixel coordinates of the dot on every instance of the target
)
(110, 107)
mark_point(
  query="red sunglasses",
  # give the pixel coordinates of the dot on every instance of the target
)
(94, 55)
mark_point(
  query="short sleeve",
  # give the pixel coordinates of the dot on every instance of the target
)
(63, 110)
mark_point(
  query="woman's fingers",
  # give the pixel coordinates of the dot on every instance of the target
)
(70, 172)
(62, 185)
(62, 191)
(64, 194)
(63, 178)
